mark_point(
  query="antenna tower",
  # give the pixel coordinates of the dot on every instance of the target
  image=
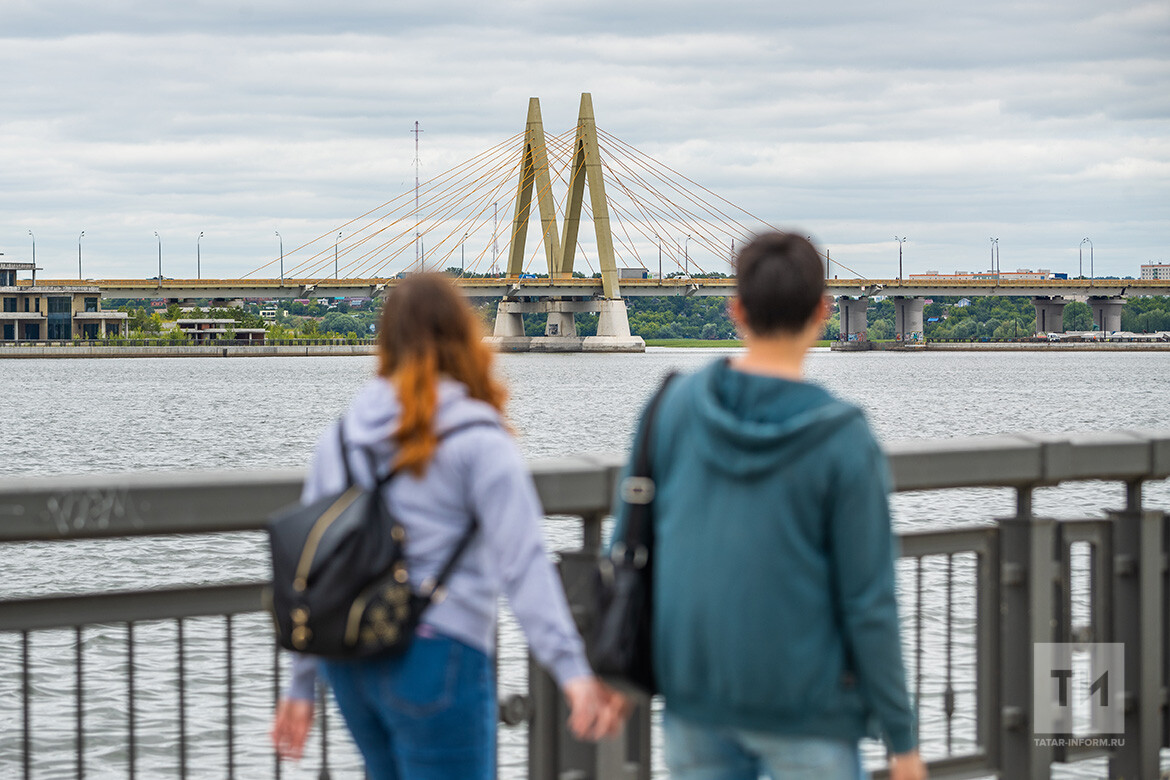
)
(417, 255)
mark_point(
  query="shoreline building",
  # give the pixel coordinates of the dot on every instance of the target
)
(1156, 271)
(202, 331)
(32, 312)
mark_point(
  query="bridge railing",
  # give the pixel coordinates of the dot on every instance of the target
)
(102, 675)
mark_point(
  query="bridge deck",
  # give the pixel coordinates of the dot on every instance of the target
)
(544, 288)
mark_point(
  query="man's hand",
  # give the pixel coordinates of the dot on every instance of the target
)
(595, 710)
(290, 727)
(907, 766)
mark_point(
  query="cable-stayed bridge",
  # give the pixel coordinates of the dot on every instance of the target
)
(650, 224)
(509, 222)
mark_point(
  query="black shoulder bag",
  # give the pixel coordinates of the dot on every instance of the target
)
(620, 649)
(340, 587)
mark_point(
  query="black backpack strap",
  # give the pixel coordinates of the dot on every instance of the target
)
(637, 490)
(433, 587)
(344, 456)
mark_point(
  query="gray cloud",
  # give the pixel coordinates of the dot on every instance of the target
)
(1039, 122)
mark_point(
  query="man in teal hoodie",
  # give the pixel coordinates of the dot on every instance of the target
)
(776, 643)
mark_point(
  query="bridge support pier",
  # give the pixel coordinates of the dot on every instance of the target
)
(560, 331)
(1049, 314)
(613, 330)
(1106, 313)
(508, 335)
(562, 324)
(908, 327)
(853, 322)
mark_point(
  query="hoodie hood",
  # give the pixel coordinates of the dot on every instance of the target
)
(372, 418)
(754, 423)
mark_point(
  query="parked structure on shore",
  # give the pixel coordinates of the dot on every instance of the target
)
(35, 312)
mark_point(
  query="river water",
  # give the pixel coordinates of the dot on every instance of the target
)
(75, 416)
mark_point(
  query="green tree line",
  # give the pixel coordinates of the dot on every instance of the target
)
(676, 317)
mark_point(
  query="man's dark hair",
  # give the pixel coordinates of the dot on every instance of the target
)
(780, 282)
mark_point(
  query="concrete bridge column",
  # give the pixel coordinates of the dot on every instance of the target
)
(908, 320)
(509, 331)
(560, 331)
(1106, 313)
(561, 324)
(613, 330)
(1049, 314)
(853, 324)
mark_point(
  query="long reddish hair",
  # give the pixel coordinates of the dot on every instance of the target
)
(428, 330)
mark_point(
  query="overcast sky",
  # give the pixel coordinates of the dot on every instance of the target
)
(1040, 123)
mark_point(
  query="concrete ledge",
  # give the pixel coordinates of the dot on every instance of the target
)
(138, 503)
(209, 350)
(566, 344)
(614, 344)
(508, 343)
(973, 462)
(1049, 346)
(556, 344)
(1104, 455)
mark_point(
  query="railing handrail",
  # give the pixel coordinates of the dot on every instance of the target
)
(155, 503)
(1019, 582)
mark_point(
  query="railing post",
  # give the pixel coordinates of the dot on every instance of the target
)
(1027, 587)
(552, 750)
(988, 713)
(1138, 609)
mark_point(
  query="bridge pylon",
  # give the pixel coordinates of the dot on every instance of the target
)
(560, 335)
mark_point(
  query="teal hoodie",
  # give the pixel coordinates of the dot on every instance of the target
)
(773, 561)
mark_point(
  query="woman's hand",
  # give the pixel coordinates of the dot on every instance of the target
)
(595, 710)
(907, 766)
(290, 727)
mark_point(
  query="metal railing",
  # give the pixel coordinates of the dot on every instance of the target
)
(975, 600)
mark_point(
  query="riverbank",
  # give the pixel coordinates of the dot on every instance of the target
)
(1045, 346)
(711, 343)
(1004, 346)
(290, 349)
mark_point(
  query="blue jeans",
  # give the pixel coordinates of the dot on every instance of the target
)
(429, 714)
(699, 752)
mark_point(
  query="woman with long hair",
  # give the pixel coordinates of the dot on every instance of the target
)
(435, 413)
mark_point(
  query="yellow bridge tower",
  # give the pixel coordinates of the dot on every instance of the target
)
(560, 335)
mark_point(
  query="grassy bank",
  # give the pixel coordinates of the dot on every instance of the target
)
(716, 343)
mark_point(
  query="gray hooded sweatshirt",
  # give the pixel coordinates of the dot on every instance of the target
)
(475, 472)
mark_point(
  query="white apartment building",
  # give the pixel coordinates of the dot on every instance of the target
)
(1156, 271)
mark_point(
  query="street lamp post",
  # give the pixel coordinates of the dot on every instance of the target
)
(198, 257)
(687, 257)
(156, 235)
(1083, 241)
(79, 237)
(995, 256)
(34, 257)
(900, 241)
(281, 240)
(461, 255)
(335, 243)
